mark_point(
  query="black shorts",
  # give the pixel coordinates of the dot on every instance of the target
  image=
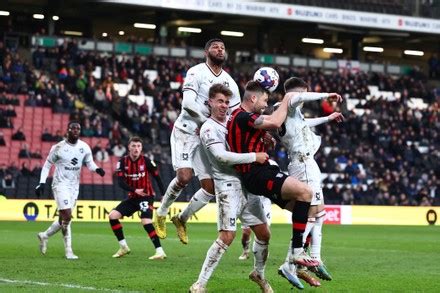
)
(131, 205)
(265, 180)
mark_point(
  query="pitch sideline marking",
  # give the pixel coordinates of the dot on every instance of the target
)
(72, 286)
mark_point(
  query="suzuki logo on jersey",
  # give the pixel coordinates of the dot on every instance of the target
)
(141, 168)
(74, 161)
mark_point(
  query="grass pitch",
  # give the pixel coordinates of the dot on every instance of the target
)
(360, 258)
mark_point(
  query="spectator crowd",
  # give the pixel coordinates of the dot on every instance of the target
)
(388, 156)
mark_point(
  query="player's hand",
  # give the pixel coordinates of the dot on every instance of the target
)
(336, 116)
(39, 190)
(269, 140)
(334, 97)
(100, 172)
(140, 192)
(261, 158)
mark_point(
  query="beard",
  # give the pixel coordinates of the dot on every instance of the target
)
(218, 61)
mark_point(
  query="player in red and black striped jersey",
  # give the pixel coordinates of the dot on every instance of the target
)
(246, 131)
(133, 173)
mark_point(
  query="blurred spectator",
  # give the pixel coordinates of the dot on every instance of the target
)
(8, 182)
(46, 136)
(119, 150)
(10, 112)
(36, 154)
(24, 151)
(36, 171)
(25, 171)
(58, 136)
(19, 135)
(102, 155)
(2, 139)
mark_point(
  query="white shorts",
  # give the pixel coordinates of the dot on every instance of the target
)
(266, 205)
(65, 196)
(232, 204)
(308, 171)
(187, 152)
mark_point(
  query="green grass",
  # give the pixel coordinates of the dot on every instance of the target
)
(360, 258)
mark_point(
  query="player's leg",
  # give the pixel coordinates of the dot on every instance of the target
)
(65, 198)
(182, 149)
(123, 209)
(245, 241)
(146, 220)
(201, 198)
(301, 194)
(228, 199)
(254, 216)
(43, 237)
(315, 249)
(66, 217)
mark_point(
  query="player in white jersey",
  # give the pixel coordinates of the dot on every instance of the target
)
(186, 151)
(68, 156)
(231, 202)
(301, 143)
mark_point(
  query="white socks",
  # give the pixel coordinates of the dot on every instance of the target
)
(68, 239)
(309, 226)
(261, 252)
(197, 202)
(315, 248)
(213, 256)
(123, 243)
(54, 228)
(173, 191)
(159, 250)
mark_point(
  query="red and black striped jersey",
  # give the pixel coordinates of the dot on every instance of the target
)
(136, 175)
(243, 137)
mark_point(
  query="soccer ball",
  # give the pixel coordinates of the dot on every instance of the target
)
(267, 77)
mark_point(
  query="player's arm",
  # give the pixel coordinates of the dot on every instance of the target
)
(154, 170)
(230, 158)
(274, 120)
(311, 122)
(45, 170)
(190, 105)
(216, 146)
(88, 160)
(120, 174)
(190, 91)
(50, 160)
(299, 98)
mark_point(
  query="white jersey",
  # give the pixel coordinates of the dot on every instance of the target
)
(211, 133)
(68, 160)
(199, 79)
(297, 136)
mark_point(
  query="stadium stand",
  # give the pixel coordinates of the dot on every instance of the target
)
(386, 152)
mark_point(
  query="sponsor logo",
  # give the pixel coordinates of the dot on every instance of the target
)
(431, 217)
(30, 211)
(74, 161)
(333, 215)
(72, 168)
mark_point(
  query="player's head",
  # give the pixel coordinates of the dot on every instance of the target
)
(73, 131)
(219, 96)
(295, 84)
(256, 96)
(215, 51)
(134, 147)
